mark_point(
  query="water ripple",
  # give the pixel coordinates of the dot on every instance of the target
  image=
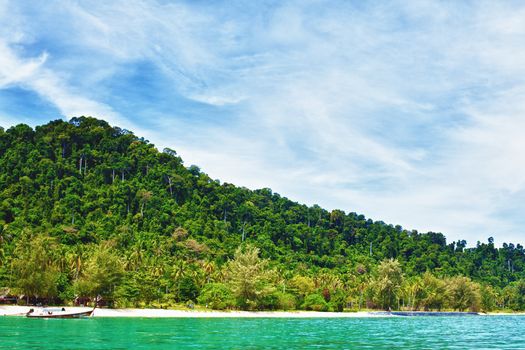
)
(498, 332)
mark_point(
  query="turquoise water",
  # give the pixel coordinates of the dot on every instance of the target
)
(495, 332)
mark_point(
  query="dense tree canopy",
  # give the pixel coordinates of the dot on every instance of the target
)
(89, 209)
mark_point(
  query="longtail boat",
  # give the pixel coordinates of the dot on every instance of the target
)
(58, 313)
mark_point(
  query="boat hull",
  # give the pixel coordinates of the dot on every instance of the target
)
(65, 315)
(432, 313)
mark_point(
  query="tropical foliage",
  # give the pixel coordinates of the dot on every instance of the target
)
(89, 209)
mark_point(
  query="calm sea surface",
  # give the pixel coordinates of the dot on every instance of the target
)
(495, 332)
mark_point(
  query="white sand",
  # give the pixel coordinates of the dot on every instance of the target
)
(9, 310)
(13, 310)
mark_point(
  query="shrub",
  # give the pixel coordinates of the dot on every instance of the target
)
(315, 302)
(278, 301)
(216, 296)
(187, 289)
(337, 301)
(285, 301)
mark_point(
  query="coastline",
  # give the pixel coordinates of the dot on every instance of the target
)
(13, 310)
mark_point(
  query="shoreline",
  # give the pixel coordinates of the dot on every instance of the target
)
(14, 310)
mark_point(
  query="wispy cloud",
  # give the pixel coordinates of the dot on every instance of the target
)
(409, 112)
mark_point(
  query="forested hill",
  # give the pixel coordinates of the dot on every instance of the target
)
(74, 192)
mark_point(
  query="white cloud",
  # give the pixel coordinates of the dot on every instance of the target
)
(409, 112)
(32, 74)
(13, 71)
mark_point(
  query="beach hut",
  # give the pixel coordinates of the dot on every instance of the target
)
(6, 297)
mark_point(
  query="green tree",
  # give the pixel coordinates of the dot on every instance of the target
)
(284, 301)
(387, 284)
(128, 292)
(463, 293)
(488, 298)
(315, 302)
(434, 292)
(301, 286)
(249, 277)
(34, 270)
(516, 295)
(187, 289)
(102, 273)
(217, 296)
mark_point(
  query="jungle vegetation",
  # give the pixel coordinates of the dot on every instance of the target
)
(88, 209)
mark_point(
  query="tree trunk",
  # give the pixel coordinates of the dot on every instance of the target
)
(169, 182)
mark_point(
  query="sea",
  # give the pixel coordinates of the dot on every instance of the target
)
(475, 332)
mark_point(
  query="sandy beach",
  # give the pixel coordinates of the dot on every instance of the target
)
(12, 310)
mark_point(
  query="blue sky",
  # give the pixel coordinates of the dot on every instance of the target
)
(408, 112)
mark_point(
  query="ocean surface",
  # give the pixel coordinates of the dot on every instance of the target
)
(482, 332)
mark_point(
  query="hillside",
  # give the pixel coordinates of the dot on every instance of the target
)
(87, 208)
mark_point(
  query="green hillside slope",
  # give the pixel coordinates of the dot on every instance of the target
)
(87, 209)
